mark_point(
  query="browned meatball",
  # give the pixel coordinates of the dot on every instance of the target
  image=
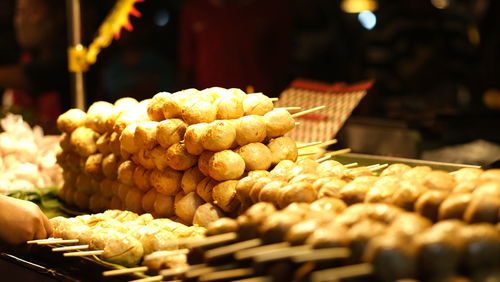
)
(454, 206)
(395, 170)
(276, 226)
(407, 194)
(296, 193)
(482, 208)
(428, 204)
(355, 191)
(221, 226)
(283, 148)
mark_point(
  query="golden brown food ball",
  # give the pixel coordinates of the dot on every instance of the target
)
(283, 148)
(71, 120)
(331, 188)
(300, 192)
(126, 172)
(97, 116)
(197, 111)
(353, 173)
(207, 214)
(325, 168)
(170, 131)
(133, 200)
(69, 176)
(439, 180)
(172, 107)
(178, 158)
(454, 206)
(396, 169)
(95, 202)
(148, 200)
(145, 134)
(383, 190)
(115, 187)
(270, 192)
(257, 104)
(144, 158)
(81, 200)
(102, 143)
(204, 189)
(127, 139)
(250, 129)
(328, 204)
(158, 155)
(282, 168)
(70, 161)
(243, 190)
(65, 142)
(278, 123)
(488, 189)
(355, 191)
(142, 178)
(190, 179)
(106, 187)
(229, 107)
(123, 191)
(416, 174)
(83, 184)
(164, 205)
(110, 165)
(490, 175)
(483, 209)
(93, 165)
(186, 207)
(257, 188)
(125, 103)
(155, 107)
(116, 203)
(407, 194)
(224, 195)
(193, 136)
(467, 174)
(167, 182)
(203, 162)
(429, 202)
(84, 139)
(226, 165)
(220, 135)
(129, 117)
(257, 156)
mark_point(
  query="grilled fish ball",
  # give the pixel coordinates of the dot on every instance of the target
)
(328, 204)
(115, 145)
(328, 236)
(296, 193)
(283, 148)
(110, 165)
(123, 249)
(84, 139)
(167, 182)
(178, 158)
(155, 107)
(353, 173)
(439, 180)
(81, 200)
(170, 131)
(257, 156)
(106, 187)
(207, 214)
(491, 189)
(144, 158)
(102, 143)
(278, 123)
(71, 120)
(328, 187)
(229, 107)
(173, 104)
(226, 165)
(281, 170)
(490, 175)
(203, 162)
(65, 142)
(190, 179)
(123, 191)
(243, 190)
(148, 201)
(204, 189)
(276, 226)
(83, 184)
(250, 129)
(221, 226)
(224, 195)
(145, 134)
(93, 165)
(407, 194)
(142, 178)
(356, 190)
(97, 115)
(482, 209)
(220, 135)
(186, 207)
(126, 172)
(298, 233)
(270, 192)
(193, 136)
(197, 111)
(250, 222)
(164, 205)
(257, 104)
(467, 174)
(416, 174)
(454, 206)
(158, 157)
(382, 190)
(428, 203)
(395, 170)
(126, 118)
(328, 167)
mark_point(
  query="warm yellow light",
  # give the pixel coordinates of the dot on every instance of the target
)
(358, 6)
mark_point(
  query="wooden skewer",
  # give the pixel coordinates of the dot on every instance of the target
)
(42, 240)
(329, 155)
(227, 274)
(116, 272)
(297, 123)
(216, 239)
(85, 253)
(282, 253)
(274, 99)
(306, 145)
(308, 111)
(301, 154)
(204, 270)
(322, 254)
(378, 167)
(233, 248)
(248, 253)
(181, 270)
(150, 279)
(289, 108)
(351, 165)
(70, 248)
(60, 241)
(337, 273)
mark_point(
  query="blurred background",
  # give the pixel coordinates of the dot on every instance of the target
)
(434, 62)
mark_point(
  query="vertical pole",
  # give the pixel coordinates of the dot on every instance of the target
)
(75, 40)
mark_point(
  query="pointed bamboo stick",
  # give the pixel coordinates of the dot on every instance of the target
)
(289, 108)
(308, 111)
(83, 254)
(116, 272)
(60, 241)
(342, 272)
(42, 240)
(70, 248)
